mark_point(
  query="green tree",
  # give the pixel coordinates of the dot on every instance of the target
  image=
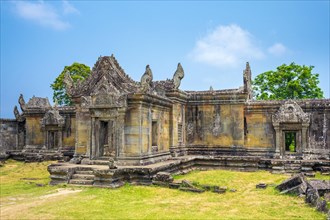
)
(287, 82)
(77, 72)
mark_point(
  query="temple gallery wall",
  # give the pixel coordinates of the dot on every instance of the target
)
(140, 123)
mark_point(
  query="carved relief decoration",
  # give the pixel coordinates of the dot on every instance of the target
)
(291, 112)
(216, 125)
(110, 100)
(86, 101)
(190, 131)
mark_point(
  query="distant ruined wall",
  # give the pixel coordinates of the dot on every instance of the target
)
(215, 125)
(319, 130)
(260, 133)
(8, 135)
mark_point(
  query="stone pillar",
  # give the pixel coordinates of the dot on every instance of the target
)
(119, 139)
(45, 132)
(92, 135)
(60, 140)
(304, 141)
(278, 152)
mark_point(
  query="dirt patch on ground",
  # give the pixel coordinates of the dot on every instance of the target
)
(9, 210)
(60, 192)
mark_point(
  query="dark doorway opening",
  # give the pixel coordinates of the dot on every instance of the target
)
(52, 140)
(104, 143)
(290, 141)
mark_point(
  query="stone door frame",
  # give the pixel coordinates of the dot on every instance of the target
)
(290, 117)
(114, 116)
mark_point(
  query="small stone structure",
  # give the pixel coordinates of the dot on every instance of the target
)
(120, 123)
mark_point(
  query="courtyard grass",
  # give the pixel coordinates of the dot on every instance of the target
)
(24, 199)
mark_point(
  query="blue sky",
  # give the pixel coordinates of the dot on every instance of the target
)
(212, 39)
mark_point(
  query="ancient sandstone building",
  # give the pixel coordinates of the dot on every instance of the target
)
(140, 123)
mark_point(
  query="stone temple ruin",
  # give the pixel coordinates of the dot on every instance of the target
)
(122, 130)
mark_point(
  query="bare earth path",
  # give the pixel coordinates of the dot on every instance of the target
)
(22, 205)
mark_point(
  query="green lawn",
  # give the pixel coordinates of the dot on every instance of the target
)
(22, 198)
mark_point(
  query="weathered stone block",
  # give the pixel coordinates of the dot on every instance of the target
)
(292, 182)
(163, 177)
(194, 190)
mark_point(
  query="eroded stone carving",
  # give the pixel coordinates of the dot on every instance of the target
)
(110, 100)
(291, 112)
(37, 102)
(52, 117)
(21, 102)
(247, 80)
(86, 101)
(68, 83)
(146, 80)
(18, 116)
(216, 125)
(178, 76)
(190, 131)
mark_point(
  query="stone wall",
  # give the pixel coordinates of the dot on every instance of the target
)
(8, 135)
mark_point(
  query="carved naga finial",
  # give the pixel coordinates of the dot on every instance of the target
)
(18, 116)
(21, 102)
(68, 83)
(178, 76)
(146, 79)
(247, 80)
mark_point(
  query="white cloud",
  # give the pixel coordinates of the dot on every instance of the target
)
(44, 14)
(226, 46)
(68, 8)
(277, 49)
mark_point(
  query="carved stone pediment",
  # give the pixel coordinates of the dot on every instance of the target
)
(37, 102)
(106, 72)
(109, 100)
(52, 118)
(104, 87)
(291, 112)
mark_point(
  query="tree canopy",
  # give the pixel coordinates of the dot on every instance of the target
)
(287, 82)
(77, 72)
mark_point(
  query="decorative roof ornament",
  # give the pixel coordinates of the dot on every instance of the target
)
(247, 74)
(178, 76)
(19, 117)
(146, 80)
(21, 102)
(68, 83)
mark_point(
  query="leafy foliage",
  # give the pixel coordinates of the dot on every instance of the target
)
(287, 82)
(77, 72)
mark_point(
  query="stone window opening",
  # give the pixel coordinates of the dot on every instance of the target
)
(291, 141)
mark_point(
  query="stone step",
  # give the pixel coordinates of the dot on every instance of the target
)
(84, 172)
(101, 162)
(81, 182)
(82, 177)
